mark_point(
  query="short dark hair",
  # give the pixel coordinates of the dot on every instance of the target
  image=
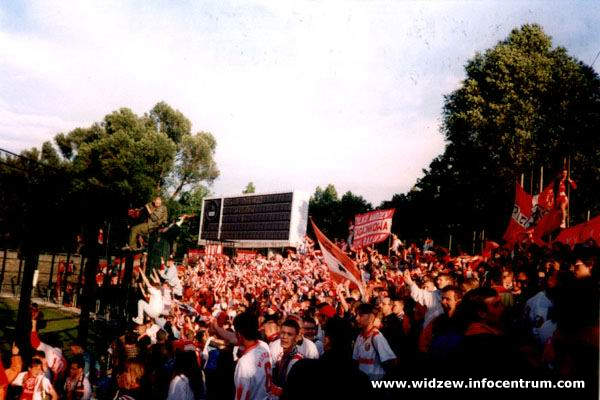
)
(474, 302)
(246, 324)
(36, 362)
(292, 323)
(79, 360)
(365, 308)
(455, 289)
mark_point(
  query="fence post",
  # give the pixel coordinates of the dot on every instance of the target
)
(4, 269)
(20, 267)
(51, 272)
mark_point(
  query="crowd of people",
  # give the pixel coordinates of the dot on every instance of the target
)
(277, 326)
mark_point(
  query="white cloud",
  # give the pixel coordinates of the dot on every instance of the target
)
(298, 94)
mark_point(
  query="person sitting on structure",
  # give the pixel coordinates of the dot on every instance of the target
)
(157, 216)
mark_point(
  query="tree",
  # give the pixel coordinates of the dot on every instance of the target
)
(117, 163)
(332, 214)
(523, 104)
(249, 188)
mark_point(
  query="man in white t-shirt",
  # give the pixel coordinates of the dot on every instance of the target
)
(34, 383)
(305, 347)
(253, 370)
(371, 349)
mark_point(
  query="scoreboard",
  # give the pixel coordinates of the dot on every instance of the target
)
(255, 220)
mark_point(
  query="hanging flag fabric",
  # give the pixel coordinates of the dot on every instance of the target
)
(372, 227)
(341, 267)
(581, 233)
(521, 218)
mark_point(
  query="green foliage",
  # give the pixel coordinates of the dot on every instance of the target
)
(523, 105)
(104, 169)
(332, 214)
(249, 188)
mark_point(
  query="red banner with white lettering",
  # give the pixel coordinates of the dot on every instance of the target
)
(521, 218)
(372, 227)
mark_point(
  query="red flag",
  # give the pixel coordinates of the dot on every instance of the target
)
(341, 267)
(521, 218)
(489, 246)
(581, 233)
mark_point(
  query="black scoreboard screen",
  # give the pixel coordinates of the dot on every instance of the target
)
(255, 218)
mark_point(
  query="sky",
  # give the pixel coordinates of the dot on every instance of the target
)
(298, 94)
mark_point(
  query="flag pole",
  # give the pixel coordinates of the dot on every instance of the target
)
(482, 239)
(450, 244)
(588, 217)
(473, 244)
(541, 178)
(531, 182)
(522, 180)
(568, 184)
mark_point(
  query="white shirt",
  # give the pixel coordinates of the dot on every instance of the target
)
(371, 351)
(253, 371)
(308, 349)
(170, 275)
(180, 389)
(151, 332)
(41, 384)
(156, 300)
(431, 300)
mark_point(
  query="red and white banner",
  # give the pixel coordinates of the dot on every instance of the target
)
(341, 267)
(246, 254)
(521, 218)
(581, 233)
(372, 227)
(213, 249)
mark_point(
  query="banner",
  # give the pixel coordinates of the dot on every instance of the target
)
(521, 218)
(581, 233)
(372, 227)
(341, 267)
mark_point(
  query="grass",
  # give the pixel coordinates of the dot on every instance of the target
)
(61, 325)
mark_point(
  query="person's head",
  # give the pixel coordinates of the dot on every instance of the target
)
(131, 376)
(162, 336)
(289, 334)
(444, 280)
(398, 307)
(469, 284)
(42, 357)
(246, 326)
(581, 268)
(365, 315)
(451, 296)
(326, 312)
(507, 279)
(36, 367)
(309, 328)
(522, 281)
(483, 305)
(157, 202)
(77, 366)
(338, 337)
(76, 347)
